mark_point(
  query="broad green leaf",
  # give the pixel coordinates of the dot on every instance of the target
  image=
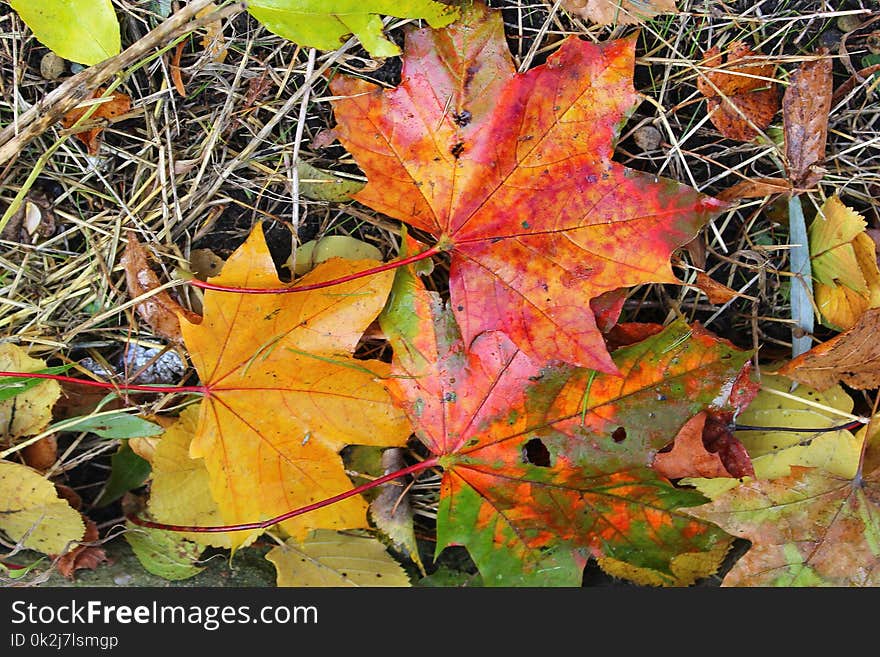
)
(11, 386)
(127, 471)
(84, 31)
(325, 24)
(328, 558)
(163, 553)
(119, 425)
(319, 185)
(32, 512)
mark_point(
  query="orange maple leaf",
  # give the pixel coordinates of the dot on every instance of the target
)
(284, 394)
(513, 174)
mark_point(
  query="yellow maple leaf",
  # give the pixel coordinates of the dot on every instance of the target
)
(284, 392)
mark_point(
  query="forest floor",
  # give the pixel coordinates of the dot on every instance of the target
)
(192, 174)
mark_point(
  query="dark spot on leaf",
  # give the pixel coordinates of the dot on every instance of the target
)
(460, 308)
(536, 453)
(592, 178)
(526, 224)
(449, 397)
(462, 119)
(619, 435)
(457, 149)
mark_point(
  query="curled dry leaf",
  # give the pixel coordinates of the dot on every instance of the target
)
(116, 104)
(83, 556)
(805, 108)
(619, 12)
(213, 42)
(158, 309)
(42, 454)
(755, 188)
(742, 96)
(703, 449)
(391, 509)
(851, 357)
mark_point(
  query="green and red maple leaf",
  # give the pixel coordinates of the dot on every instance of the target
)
(546, 465)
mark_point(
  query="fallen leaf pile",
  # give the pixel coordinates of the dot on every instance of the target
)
(552, 432)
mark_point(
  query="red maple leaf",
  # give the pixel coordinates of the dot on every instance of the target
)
(512, 173)
(544, 466)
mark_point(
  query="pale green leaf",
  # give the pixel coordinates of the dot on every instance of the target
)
(325, 24)
(84, 31)
(163, 553)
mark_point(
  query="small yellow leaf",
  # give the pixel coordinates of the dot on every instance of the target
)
(328, 558)
(30, 509)
(846, 280)
(180, 493)
(30, 412)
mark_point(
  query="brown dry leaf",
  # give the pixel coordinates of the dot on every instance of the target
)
(42, 454)
(717, 292)
(755, 188)
(739, 84)
(619, 12)
(158, 310)
(851, 357)
(213, 42)
(82, 556)
(691, 457)
(174, 68)
(805, 108)
(115, 105)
